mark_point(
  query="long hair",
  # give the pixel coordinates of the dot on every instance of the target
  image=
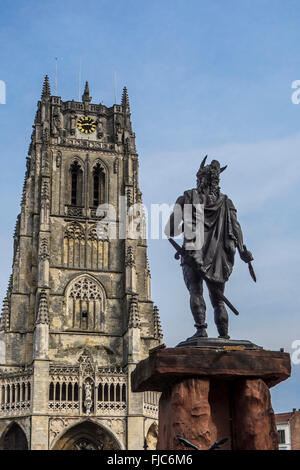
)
(208, 179)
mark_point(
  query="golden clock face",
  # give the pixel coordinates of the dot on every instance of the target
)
(86, 125)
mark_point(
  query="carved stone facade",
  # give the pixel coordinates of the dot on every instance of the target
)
(78, 314)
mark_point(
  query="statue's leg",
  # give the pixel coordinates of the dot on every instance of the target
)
(194, 284)
(221, 315)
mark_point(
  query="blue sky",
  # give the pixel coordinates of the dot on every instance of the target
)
(203, 77)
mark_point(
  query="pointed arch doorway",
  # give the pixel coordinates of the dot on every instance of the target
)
(13, 438)
(87, 436)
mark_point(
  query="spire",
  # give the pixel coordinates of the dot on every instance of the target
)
(46, 88)
(42, 316)
(134, 317)
(86, 94)
(125, 100)
(157, 326)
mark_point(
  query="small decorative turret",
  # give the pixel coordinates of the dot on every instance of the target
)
(157, 326)
(125, 100)
(42, 316)
(86, 94)
(129, 261)
(46, 88)
(4, 323)
(147, 268)
(23, 199)
(10, 282)
(133, 335)
(4, 326)
(129, 197)
(41, 331)
(134, 316)
(17, 226)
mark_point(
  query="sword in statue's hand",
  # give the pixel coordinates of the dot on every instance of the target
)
(180, 252)
(178, 248)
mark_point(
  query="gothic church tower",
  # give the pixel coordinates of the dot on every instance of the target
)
(78, 313)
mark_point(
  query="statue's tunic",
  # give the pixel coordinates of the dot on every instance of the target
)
(221, 236)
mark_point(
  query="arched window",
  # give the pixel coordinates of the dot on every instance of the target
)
(86, 304)
(76, 184)
(98, 185)
(51, 392)
(97, 250)
(18, 393)
(76, 392)
(70, 398)
(63, 392)
(106, 396)
(118, 393)
(124, 392)
(57, 392)
(74, 246)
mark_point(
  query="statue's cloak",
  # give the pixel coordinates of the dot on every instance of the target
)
(216, 257)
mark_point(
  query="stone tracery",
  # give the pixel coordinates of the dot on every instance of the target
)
(86, 304)
(83, 249)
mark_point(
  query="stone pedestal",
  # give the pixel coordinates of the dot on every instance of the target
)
(212, 392)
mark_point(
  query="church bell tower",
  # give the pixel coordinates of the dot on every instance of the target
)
(78, 313)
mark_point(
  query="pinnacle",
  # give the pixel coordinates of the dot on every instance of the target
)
(147, 269)
(42, 316)
(134, 317)
(125, 99)
(157, 326)
(5, 315)
(130, 257)
(46, 88)
(9, 287)
(86, 94)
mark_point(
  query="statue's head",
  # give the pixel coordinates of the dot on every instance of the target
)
(208, 176)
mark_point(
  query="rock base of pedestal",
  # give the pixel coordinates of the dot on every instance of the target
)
(204, 411)
(209, 394)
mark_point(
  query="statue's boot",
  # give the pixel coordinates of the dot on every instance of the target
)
(223, 335)
(200, 325)
(200, 333)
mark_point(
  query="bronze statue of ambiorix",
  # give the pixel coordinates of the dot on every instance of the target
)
(212, 259)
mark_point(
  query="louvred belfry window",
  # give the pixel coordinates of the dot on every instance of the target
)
(76, 184)
(98, 185)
